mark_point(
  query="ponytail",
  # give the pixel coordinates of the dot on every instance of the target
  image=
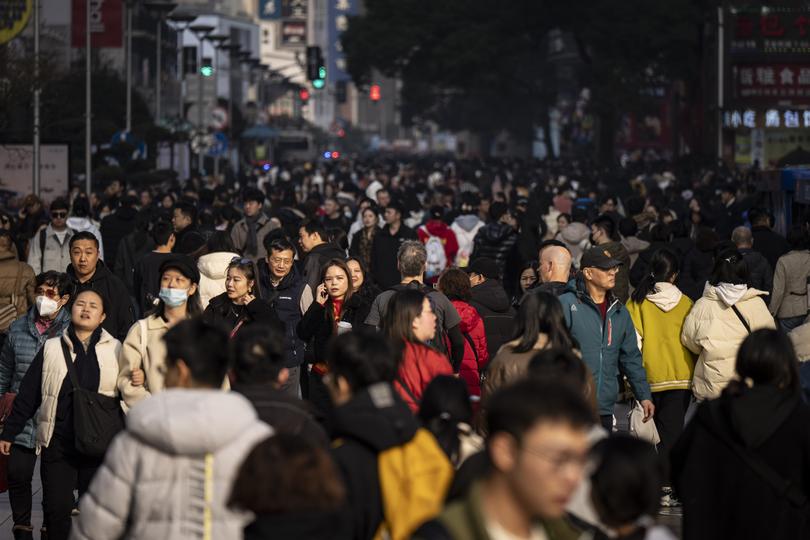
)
(663, 266)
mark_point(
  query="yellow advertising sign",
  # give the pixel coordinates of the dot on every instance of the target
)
(14, 15)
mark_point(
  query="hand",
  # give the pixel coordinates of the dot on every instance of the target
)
(321, 295)
(248, 298)
(649, 409)
(5, 448)
(137, 377)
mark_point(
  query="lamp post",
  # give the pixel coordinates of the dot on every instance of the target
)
(88, 107)
(161, 10)
(201, 32)
(218, 41)
(128, 62)
(180, 22)
(37, 89)
(233, 51)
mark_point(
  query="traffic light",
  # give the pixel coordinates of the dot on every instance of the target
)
(304, 95)
(206, 68)
(374, 92)
(340, 91)
(316, 68)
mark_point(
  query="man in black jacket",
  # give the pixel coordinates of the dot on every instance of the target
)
(312, 237)
(117, 225)
(260, 374)
(386, 246)
(86, 271)
(496, 240)
(760, 274)
(184, 219)
(284, 287)
(490, 300)
(771, 244)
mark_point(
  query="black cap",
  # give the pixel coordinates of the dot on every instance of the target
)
(184, 264)
(398, 206)
(485, 267)
(598, 257)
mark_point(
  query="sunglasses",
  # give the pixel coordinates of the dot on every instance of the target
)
(59, 214)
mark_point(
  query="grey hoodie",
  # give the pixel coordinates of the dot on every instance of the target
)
(178, 446)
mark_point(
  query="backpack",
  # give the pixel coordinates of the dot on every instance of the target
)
(414, 479)
(436, 257)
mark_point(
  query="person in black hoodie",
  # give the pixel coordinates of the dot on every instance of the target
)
(290, 296)
(491, 302)
(260, 374)
(86, 271)
(386, 244)
(369, 418)
(118, 225)
(307, 496)
(312, 237)
(497, 239)
(742, 465)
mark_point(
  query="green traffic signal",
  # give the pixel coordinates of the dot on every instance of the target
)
(318, 84)
(207, 71)
(322, 72)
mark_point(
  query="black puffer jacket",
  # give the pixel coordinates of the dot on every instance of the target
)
(118, 308)
(114, 228)
(760, 274)
(318, 326)
(222, 311)
(497, 242)
(492, 303)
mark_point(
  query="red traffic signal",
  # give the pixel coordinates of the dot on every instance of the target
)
(374, 92)
(304, 95)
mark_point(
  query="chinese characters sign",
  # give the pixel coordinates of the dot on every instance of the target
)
(269, 9)
(770, 118)
(772, 81)
(339, 13)
(293, 23)
(770, 30)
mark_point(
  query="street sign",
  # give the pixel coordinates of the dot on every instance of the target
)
(219, 145)
(219, 118)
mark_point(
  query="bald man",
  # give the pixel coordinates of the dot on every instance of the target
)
(555, 269)
(760, 273)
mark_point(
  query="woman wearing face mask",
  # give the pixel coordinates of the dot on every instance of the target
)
(84, 353)
(333, 311)
(719, 322)
(241, 304)
(143, 354)
(25, 337)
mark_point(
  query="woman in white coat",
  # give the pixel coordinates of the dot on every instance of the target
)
(719, 322)
(213, 266)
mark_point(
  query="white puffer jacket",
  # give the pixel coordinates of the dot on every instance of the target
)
(169, 475)
(713, 331)
(213, 271)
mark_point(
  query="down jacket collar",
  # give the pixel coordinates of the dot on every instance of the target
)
(730, 296)
(191, 422)
(666, 296)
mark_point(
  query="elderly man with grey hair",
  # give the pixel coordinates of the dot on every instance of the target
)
(759, 270)
(411, 262)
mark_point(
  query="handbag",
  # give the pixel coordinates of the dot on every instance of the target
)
(8, 312)
(646, 431)
(97, 418)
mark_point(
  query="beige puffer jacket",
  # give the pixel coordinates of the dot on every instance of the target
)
(801, 341)
(789, 297)
(147, 354)
(170, 474)
(713, 331)
(213, 271)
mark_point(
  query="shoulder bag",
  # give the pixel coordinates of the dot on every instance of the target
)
(97, 418)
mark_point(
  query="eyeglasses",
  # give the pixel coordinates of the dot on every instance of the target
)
(50, 293)
(59, 215)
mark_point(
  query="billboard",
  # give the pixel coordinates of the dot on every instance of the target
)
(293, 32)
(339, 13)
(106, 23)
(17, 170)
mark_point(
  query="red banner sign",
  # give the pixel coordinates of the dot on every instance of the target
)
(106, 23)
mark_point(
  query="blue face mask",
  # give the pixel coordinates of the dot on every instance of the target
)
(173, 297)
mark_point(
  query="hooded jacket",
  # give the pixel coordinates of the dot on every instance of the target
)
(439, 229)
(722, 496)
(213, 269)
(495, 241)
(491, 302)
(118, 308)
(79, 224)
(374, 420)
(115, 227)
(605, 345)
(465, 228)
(178, 446)
(476, 353)
(576, 237)
(714, 332)
(790, 285)
(658, 321)
(19, 350)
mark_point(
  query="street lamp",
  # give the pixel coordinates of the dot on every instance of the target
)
(128, 63)
(233, 51)
(181, 22)
(201, 32)
(218, 41)
(161, 10)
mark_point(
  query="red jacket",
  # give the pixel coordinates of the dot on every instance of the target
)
(420, 364)
(439, 228)
(472, 326)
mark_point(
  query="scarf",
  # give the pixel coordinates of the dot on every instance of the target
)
(86, 364)
(252, 243)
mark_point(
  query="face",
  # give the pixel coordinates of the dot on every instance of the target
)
(369, 218)
(146, 199)
(59, 218)
(307, 240)
(330, 207)
(180, 220)
(88, 311)
(357, 274)
(167, 202)
(604, 279)
(562, 222)
(280, 262)
(608, 206)
(545, 469)
(173, 279)
(84, 256)
(424, 326)
(527, 279)
(597, 235)
(237, 284)
(383, 198)
(251, 208)
(53, 293)
(391, 216)
(337, 282)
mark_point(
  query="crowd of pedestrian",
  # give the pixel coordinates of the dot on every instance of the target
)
(430, 350)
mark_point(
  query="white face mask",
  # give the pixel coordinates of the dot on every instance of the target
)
(46, 306)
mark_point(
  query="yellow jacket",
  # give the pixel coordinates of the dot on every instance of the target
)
(659, 321)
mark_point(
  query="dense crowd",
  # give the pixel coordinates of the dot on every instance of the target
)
(431, 350)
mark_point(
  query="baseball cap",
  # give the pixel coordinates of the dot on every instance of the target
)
(598, 257)
(484, 266)
(184, 265)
